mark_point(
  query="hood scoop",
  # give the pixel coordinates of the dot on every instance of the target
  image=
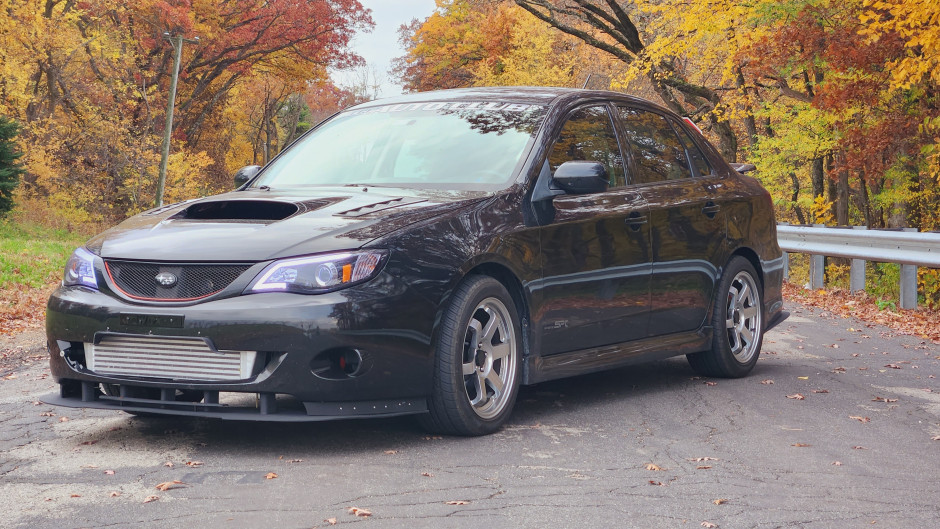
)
(379, 206)
(239, 211)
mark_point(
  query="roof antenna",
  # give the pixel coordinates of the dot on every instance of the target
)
(588, 80)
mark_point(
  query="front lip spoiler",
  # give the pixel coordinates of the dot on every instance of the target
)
(267, 410)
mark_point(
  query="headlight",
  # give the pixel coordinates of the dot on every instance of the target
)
(80, 269)
(320, 273)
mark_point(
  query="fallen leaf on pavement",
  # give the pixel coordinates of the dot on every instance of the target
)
(700, 459)
(837, 463)
(76, 496)
(194, 464)
(893, 366)
(803, 378)
(796, 396)
(820, 391)
(883, 399)
(168, 464)
(270, 475)
(720, 501)
(391, 452)
(860, 419)
(709, 525)
(801, 445)
(652, 466)
(935, 438)
(109, 472)
(708, 383)
(859, 448)
(114, 494)
(167, 485)
(457, 502)
(331, 521)
(657, 483)
(427, 474)
(63, 419)
(767, 382)
(703, 467)
(149, 499)
(356, 511)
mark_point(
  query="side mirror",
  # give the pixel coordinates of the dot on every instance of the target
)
(581, 178)
(245, 174)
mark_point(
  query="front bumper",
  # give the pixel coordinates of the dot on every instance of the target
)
(297, 337)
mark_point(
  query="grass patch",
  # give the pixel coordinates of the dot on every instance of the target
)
(33, 256)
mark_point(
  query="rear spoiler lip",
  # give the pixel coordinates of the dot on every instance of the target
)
(743, 167)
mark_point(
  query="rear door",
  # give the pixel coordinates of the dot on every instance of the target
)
(687, 224)
(596, 249)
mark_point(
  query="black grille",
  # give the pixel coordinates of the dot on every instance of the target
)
(193, 281)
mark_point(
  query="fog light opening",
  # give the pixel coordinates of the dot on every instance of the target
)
(349, 362)
(338, 364)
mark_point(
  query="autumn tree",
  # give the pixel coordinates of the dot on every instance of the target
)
(611, 26)
(88, 82)
(443, 50)
(493, 43)
(10, 169)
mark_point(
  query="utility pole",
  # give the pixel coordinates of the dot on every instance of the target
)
(177, 42)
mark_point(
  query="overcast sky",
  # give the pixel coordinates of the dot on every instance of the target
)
(381, 46)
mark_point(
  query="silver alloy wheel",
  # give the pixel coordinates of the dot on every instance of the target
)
(489, 358)
(744, 317)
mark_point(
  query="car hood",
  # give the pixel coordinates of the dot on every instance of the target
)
(257, 225)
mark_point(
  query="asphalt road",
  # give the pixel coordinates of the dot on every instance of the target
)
(649, 446)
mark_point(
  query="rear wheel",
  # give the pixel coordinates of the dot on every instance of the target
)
(738, 323)
(476, 361)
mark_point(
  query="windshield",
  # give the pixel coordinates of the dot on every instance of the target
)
(457, 145)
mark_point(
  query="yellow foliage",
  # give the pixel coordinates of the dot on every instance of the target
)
(183, 176)
(821, 209)
(918, 24)
(929, 280)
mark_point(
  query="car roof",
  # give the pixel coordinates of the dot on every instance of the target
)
(533, 95)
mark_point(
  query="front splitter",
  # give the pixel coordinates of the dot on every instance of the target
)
(266, 411)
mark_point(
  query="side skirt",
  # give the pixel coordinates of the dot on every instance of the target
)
(540, 369)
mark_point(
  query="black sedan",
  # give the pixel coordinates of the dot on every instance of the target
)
(426, 255)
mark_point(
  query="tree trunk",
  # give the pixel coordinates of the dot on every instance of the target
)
(862, 199)
(842, 196)
(794, 198)
(819, 177)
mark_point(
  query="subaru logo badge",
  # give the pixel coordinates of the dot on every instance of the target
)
(166, 279)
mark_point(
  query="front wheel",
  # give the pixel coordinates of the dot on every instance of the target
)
(738, 323)
(476, 361)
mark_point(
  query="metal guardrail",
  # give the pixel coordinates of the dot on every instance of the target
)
(907, 247)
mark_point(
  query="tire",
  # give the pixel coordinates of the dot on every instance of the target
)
(476, 361)
(738, 323)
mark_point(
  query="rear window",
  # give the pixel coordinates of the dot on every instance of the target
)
(657, 151)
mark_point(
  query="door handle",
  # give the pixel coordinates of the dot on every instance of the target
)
(711, 209)
(636, 221)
